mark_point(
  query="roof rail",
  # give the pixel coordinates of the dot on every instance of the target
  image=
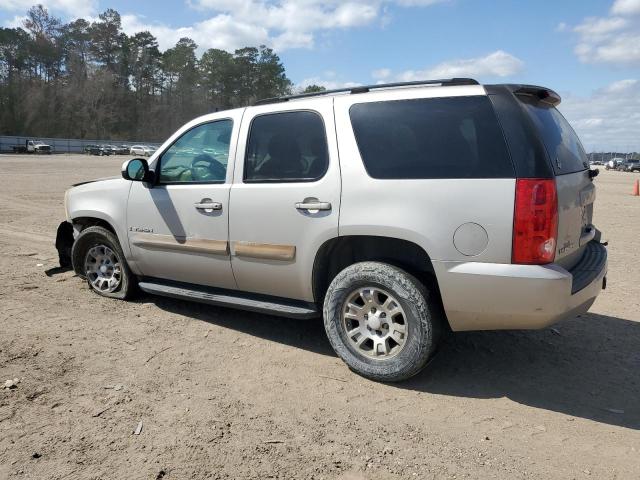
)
(447, 82)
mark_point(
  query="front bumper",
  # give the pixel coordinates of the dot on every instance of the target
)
(491, 296)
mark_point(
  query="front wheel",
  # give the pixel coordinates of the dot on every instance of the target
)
(381, 321)
(98, 257)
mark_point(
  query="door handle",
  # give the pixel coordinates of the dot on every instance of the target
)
(208, 205)
(313, 204)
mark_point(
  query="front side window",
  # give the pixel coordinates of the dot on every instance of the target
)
(200, 155)
(286, 147)
(454, 137)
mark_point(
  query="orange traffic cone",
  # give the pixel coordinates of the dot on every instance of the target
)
(636, 189)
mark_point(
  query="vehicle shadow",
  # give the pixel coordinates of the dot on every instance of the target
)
(304, 334)
(586, 367)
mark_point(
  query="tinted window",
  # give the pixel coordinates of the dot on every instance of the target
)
(457, 137)
(286, 147)
(563, 145)
(199, 155)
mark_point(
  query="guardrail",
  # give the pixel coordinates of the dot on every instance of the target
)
(63, 145)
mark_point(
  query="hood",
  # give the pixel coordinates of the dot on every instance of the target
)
(96, 180)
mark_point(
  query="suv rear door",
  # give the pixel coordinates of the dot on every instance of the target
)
(285, 197)
(576, 192)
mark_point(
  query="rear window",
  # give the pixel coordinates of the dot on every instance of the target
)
(454, 137)
(563, 145)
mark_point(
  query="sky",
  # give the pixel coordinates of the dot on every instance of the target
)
(586, 50)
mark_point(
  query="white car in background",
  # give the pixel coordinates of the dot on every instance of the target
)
(143, 150)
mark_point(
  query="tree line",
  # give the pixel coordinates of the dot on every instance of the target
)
(90, 80)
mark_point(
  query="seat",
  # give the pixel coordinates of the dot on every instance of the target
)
(318, 165)
(285, 159)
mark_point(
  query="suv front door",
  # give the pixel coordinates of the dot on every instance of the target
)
(285, 196)
(178, 228)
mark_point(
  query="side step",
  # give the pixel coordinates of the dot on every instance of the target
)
(226, 298)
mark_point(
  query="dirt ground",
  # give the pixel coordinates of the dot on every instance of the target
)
(227, 394)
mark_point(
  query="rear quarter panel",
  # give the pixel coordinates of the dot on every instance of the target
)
(426, 212)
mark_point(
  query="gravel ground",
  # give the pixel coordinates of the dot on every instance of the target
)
(228, 394)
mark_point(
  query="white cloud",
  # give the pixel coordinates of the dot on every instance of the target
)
(72, 8)
(15, 22)
(381, 74)
(614, 39)
(609, 118)
(601, 27)
(419, 3)
(294, 23)
(221, 31)
(626, 7)
(230, 24)
(496, 64)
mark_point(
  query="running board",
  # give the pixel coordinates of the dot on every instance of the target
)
(226, 298)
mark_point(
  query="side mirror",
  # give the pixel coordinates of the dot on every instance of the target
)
(137, 170)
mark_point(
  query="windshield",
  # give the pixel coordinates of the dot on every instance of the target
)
(563, 145)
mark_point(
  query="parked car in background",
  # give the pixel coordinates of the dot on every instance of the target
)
(254, 208)
(631, 165)
(100, 150)
(144, 150)
(613, 163)
(32, 146)
(122, 150)
(137, 150)
(87, 148)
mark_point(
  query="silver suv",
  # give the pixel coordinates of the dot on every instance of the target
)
(397, 212)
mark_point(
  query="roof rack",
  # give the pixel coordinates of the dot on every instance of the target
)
(447, 82)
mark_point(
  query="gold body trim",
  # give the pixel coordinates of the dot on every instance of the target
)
(180, 244)
(265, 251)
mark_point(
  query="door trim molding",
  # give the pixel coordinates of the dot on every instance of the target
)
(264, 251)
(181, 244)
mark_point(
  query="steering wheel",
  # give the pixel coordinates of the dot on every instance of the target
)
(205, 167)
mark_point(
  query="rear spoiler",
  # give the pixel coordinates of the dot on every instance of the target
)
(540, 94)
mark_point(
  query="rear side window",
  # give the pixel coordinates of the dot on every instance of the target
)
(455, 137)
(563, 145)
(286, 147)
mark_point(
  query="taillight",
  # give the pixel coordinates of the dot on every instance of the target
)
(535, 221)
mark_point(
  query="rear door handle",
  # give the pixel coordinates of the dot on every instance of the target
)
(207, 204)
(313, 204)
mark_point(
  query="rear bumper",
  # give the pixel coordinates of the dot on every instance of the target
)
(491, 296)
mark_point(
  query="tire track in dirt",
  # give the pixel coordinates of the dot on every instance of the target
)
(16, 233)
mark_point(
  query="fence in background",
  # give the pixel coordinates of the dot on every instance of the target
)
(62, 145)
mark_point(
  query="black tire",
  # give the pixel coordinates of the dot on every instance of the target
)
(424, 320)
(94, 236)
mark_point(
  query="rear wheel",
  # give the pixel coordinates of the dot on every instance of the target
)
(98, 257)
(381, 321)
